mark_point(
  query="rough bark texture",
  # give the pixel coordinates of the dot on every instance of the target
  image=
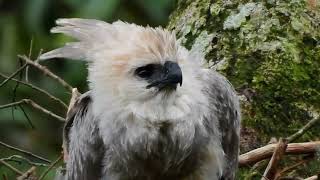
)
(266, 152)
(269, 50)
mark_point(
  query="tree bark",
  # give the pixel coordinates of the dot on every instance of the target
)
(265, 152)
(270, 52)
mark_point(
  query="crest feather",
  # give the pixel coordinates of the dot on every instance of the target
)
(95, 37)
(87, 31)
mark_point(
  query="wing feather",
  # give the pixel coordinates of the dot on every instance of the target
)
(82, 141)
(225, 106)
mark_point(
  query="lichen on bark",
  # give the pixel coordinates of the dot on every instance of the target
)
(269, 50)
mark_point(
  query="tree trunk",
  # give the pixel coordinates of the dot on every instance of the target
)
(269, 50)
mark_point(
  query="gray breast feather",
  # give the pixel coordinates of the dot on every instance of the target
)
(225, 107)
(86, 157)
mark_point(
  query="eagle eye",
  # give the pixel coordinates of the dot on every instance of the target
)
(145, 71)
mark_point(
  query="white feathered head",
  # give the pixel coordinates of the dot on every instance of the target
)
(130, 63)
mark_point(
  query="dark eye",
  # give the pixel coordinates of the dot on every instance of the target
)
(145, 71)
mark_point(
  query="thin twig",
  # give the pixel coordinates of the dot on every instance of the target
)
(39, 90)
(13, 74)
(303, 161)
(50, 167)
(291, 178)
(315, 177)
(17, 83)
(34, 105)
(11, 167)
(272, 168)
(31, 47)
(28, 175)
(257, 167)
(27, 69)
(38, 57)
(24, 152)
(14, 92)
(47, 72)
(19, 159)
(26, 115)
(304, 129)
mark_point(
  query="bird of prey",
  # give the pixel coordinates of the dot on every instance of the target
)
(153, 111)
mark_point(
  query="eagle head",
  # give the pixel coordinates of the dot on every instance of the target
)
(141, 69)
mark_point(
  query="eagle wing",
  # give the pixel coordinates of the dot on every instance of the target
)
(82, 142)
(224, 105)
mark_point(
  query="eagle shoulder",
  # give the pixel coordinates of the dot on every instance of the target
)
(224, 107)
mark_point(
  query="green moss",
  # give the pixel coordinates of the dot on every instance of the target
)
(189, 19)
(269, 47)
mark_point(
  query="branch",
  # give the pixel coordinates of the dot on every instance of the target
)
(271, 170)
(46, 72)
(315, 177)
(38, 89)
(74, 96)
(291, 178)
(24, 152)
(15, 157)
(27, 69)
(13, 74)
(11, 167)
(28, 175)
(301, 162)
(304, 129)
(34, 105)
(265, 152)
(50, 167)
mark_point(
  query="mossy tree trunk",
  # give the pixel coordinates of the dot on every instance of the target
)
(269, 50)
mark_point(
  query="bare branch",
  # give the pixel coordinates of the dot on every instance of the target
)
(272, 168)
(27, 69)
(50, 167)
(301, 162)
(290, 178)
(265, 152)
(304, 129)
(23, 151)
(26, 115)
(315, 177)
(11, 167)
(13, 74)
(46, 72)
(28, 175)
(75, 95)
(20, 159)
(39, 90)
(14, 92)
(34, 105)
(31, 47)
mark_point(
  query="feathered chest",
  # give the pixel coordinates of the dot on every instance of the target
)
(155, 150)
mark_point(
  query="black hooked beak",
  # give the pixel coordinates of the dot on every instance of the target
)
(171, 76)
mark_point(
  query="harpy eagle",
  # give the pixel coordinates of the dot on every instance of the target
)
(153, 112)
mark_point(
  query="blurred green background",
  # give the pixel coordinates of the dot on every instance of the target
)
(30, 20)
